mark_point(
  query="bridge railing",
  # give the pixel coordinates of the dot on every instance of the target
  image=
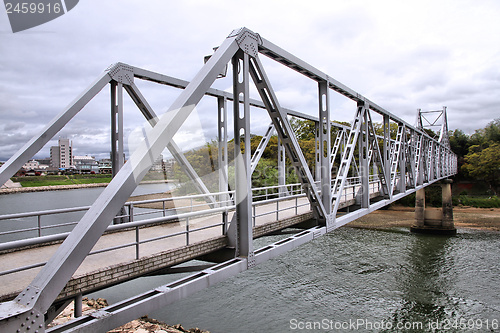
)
(179, 213)
(276, 199)
(38, 228)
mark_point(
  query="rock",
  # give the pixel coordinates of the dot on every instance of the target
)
(142, 325)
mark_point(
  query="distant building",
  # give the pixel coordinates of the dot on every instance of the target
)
(106, 166)
(31, 165)
(44, 162)
(158, 164)
(86, 164)
(61, 156)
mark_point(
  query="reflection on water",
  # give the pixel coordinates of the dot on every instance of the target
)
(360, 276)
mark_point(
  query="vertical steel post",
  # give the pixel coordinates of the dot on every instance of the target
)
(386, 153)
(430, 161)
(281, 169)
(243, 195)
(117, 159)
(116, 126)
(78, 305)
(222, 157)
(317, 152)
(325, 146)
(364, 168)
(222, 145)
(403, 144)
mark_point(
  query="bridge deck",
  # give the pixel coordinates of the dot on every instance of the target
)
(110, 262)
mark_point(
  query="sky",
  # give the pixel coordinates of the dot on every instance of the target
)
(402, 55)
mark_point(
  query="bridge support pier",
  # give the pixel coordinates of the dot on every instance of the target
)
(432, 221)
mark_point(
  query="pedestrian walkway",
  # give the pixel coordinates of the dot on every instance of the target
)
(265, 216)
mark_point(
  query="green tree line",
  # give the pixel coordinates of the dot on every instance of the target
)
(478, 156)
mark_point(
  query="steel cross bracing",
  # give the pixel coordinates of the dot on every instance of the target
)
(401, 165)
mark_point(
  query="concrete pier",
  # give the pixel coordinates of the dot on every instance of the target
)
(435, 221)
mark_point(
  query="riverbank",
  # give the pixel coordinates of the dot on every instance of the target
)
(49, 188)
(66, 187)
(404, 217)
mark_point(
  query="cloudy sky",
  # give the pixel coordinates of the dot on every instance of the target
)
(403, 55)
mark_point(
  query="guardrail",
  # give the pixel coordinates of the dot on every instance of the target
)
(290, 193)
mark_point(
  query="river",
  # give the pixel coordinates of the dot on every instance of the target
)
(351, 279)
(39, 201)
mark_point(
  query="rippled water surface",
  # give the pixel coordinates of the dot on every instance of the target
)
(369, 277)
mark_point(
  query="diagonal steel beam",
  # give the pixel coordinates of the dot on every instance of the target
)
(347, 157)
(377, 155)
(38, 141)
(43, 290)
(287, 136)
(262, 146)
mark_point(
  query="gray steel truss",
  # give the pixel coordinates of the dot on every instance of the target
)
(402, 165)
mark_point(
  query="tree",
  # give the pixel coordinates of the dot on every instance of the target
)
(304, 129)
(459, 142)
(484, 164)
(483, 136)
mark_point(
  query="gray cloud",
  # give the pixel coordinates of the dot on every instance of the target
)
(428, 59)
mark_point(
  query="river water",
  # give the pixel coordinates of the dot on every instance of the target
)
(39, 201)
(350, 280)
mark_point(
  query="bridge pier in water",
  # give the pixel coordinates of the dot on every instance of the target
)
(435, 221)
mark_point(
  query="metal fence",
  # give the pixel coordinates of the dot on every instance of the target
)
(276, 199)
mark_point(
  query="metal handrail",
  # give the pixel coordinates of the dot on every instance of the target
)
(138, 224)
(224, 207)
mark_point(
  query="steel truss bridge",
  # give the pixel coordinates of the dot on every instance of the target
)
(374, 169)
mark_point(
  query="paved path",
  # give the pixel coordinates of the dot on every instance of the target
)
(17, 281)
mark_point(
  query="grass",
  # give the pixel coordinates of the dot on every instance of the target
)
(479, 202)
(35, 181)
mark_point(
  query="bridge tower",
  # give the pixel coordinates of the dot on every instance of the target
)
(426, 220)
